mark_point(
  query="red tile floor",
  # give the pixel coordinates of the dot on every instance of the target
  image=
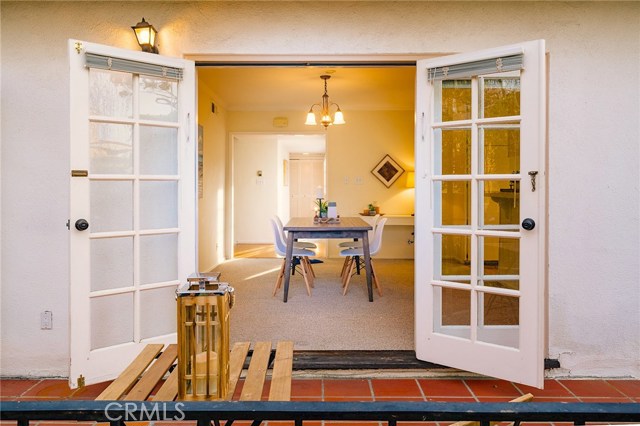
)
(378, 389)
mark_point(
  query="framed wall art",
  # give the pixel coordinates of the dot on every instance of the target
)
(387, 171)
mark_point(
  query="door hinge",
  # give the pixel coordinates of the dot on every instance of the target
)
(69, 224)
(78, 47)
(81, 381)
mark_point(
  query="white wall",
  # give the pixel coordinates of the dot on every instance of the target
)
(594, 296)
(255, 197)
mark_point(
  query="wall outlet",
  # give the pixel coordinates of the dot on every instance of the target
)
(46, 320)
(357, 180)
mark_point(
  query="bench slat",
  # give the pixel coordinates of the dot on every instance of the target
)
(128, 377)
(169, 390)
(153, 375)
(281, 376)
(524, 398)
(252, 388)
(236, 362)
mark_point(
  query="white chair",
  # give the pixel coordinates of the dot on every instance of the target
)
(296, 244)
(299, 255)
(358, 243)
(356, 254)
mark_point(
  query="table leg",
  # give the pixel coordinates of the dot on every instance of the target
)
(287, 265)
(367, 263)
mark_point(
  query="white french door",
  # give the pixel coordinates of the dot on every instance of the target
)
(480, 212)
(132, 213)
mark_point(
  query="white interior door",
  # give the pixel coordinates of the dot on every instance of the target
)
(480, 184)
(306, 175)
(133, 156)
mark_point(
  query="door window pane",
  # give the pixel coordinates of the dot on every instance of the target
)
(111, 263)
(501, 256)
(500, 149)
(157, 312)
(111, 206)
(500, 207)
(111, 320)
(452, 313)
(158, 258)
(111, 148)
(454, 145)
(158, 204)
(454, 252)
(454, 198)
(158, 150)
(499, 319)
(110, 93)
(158, 99)
(500, 97)
(456, 100)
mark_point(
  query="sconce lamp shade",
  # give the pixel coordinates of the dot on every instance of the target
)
(338, 118)
(146, 36)
(411, 179)
(311, 119)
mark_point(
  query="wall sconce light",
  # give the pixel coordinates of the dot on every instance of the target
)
(146, 36)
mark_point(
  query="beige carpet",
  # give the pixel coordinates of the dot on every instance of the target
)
(327, 320)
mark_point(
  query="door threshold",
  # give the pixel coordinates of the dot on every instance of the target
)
(372, 360)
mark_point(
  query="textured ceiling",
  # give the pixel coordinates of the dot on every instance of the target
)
(288, 88)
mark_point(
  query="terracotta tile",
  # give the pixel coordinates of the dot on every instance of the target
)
(292, 423)
(395, 387)
(440, 387)
(495, 399)
(90, 392)
(551, 389)
(606, 399)
(451, 399)
(591, 388)
(492, 388)
(627, 387)
(348, 388)
(306, 398)
(16, 387)
(399, 398)
(348, 398)
(52, 389)
(556, 399)
(306, 388)
(8, 398)
(8, 423)
(176, 423)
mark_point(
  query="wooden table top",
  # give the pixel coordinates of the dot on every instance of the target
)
(345, 224)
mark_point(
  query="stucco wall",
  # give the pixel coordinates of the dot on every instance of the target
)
(594, 85)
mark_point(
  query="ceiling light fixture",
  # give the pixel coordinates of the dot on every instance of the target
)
(326, 119)
(146, 36)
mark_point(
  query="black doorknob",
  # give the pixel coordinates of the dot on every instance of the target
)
(82, 225)
(528, 224)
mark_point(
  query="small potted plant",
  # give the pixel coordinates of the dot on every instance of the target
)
(322, 207)
(373, 209)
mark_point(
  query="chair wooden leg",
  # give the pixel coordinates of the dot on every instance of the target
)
(344, 265)
(348, 276)
(306, 276)
(375, 279)
(312, 276)
(280, 277)
(347, 268)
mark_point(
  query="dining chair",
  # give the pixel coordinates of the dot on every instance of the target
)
(298, 244)
(356, 254)
(300, 256)
(357, 243)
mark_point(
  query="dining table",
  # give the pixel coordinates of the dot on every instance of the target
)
(342, 227)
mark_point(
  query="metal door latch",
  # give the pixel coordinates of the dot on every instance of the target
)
(533, 174)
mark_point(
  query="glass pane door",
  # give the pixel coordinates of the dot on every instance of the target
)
(478, 305)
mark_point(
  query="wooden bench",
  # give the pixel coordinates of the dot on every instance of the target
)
(143, 375)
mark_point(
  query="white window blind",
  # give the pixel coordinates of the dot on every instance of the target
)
(472, 69)
(118, 64)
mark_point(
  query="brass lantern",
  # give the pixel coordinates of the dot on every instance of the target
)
(146, 36)
(203, 338)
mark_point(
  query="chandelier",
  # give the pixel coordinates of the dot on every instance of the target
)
(326, 118)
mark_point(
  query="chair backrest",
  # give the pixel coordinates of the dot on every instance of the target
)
(372, 233)
(280, 245)
(376, 243)
(276, 218)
